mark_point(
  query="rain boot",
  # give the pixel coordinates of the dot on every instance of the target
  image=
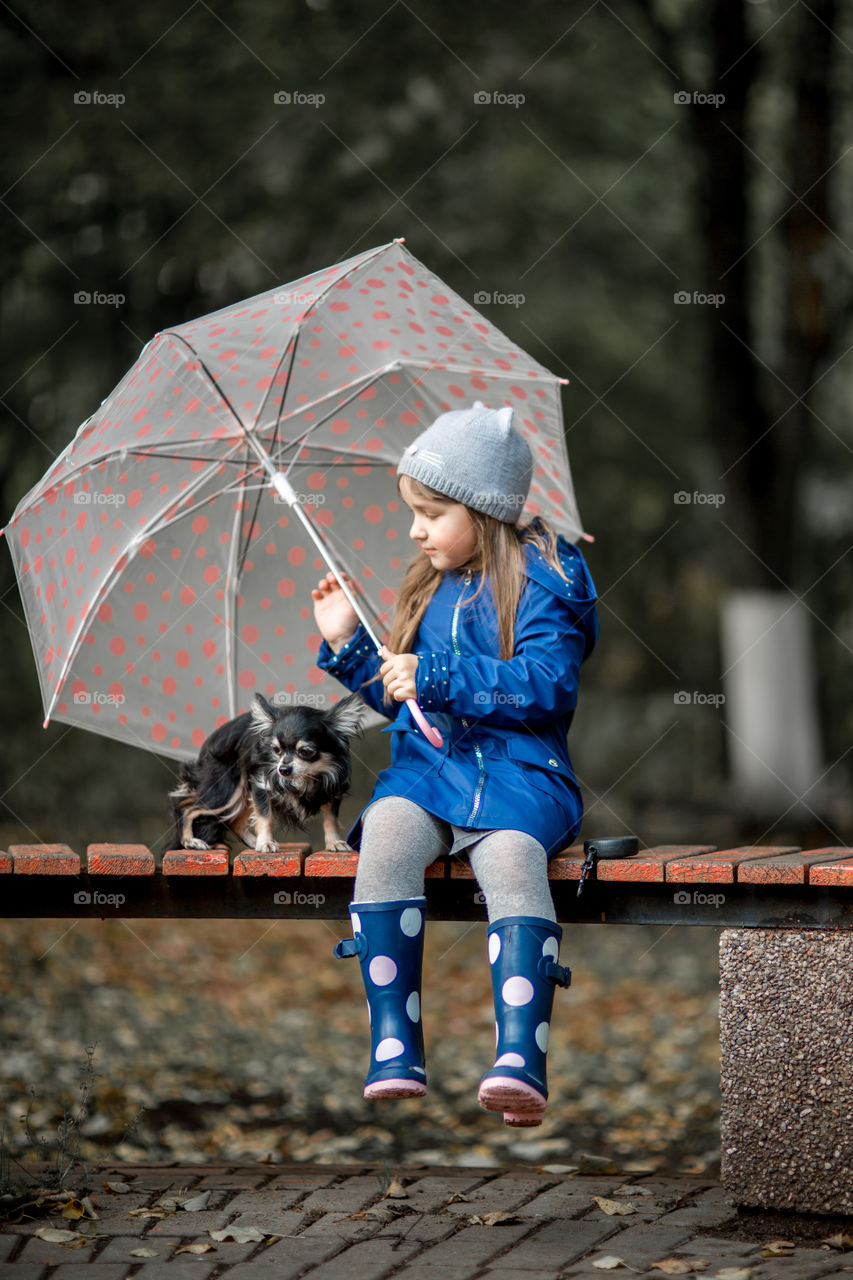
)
(523, 953)
(388, 938)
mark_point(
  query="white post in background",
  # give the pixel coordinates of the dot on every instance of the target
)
(771, 706)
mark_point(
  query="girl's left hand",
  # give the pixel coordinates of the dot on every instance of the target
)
(398, 674)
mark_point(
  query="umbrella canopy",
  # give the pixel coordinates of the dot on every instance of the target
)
(165, 580)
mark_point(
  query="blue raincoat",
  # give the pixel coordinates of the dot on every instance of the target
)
(505, 760)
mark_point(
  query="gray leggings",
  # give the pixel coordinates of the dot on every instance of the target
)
(400, 839)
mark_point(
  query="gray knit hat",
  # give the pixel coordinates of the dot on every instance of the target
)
(474, 456)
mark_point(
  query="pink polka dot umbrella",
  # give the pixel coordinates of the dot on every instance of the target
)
(165, 562)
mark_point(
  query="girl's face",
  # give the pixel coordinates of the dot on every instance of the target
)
(442, 529)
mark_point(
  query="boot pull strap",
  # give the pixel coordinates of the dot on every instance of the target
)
(354, 946)
(560, 975)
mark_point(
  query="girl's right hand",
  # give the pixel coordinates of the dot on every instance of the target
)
(336, 619)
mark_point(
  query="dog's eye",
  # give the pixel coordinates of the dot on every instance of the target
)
(276, 747)
(306, 753)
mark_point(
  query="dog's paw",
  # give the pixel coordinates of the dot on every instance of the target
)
(266, 846)
(339, 846)
(194, 843)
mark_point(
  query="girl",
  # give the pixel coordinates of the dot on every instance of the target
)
(492, 625)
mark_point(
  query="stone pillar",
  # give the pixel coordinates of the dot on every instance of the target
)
(786, 1035)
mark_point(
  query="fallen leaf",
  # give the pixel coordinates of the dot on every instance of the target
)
(842, 1240)
(701, 1264)
(458, 1197)
(734, 1273)
(672, 1266)
(157, 1212)
(613, 1207)
(240, 1235)
(196, 1203)
(778, 1249)
(382, 1212)
(396, 1191)
(73, 1209)
(56, 1235)
(633, 1191)
(88, 1205)
(117, 1188)
(608, 1262)
(202, 1247)
(144, 1253)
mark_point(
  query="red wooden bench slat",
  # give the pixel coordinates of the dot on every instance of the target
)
(789, 868)
(720, 867)
(5, 864)
(567, 865)
(649, 864)
(119, 860)
(44, 860)
(328, 863)
(287, 862)
(195, 862)
(833, 873)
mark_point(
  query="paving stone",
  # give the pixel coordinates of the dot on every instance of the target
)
(368, 1260)
(235, 1181)
(418, 1270)
(265, 1201)
(473, 1247)
(42, 1251)
(508, 1192)
(570, 1197)
(296, 1179)
(553, 1246)
(272, 1221)
(196, 1269)
(286, 1260)
(342, 1227)
(188, 1224)
(119, 1248)
(90, 1271)
(806, 1264)
(8, 1244)
(646, 1242)
(348, 1196)
(22, 1270)
(434, 1191)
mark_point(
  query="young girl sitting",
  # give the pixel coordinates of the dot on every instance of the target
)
(491, 627)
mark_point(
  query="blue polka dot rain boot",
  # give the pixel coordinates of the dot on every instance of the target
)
(523, 952)
(388, 938)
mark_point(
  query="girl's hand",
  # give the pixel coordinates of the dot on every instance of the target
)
(336, 619)
(398, 674)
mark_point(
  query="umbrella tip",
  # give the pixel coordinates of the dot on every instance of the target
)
(564, 381)
(588, 537)
(399, 239)
(45, 722)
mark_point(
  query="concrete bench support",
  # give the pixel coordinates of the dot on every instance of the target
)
(786, 1035)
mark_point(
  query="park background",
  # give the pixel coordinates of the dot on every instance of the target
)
(655, 199)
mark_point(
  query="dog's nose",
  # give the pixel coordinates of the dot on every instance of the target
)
(285, 768)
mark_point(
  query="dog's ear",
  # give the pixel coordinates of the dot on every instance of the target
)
(346, 716)
(263, 716)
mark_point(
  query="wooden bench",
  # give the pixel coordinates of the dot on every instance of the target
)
(786, 963)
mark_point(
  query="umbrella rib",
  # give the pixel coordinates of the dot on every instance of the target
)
(231, 578)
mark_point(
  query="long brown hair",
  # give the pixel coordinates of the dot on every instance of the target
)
(499, 555)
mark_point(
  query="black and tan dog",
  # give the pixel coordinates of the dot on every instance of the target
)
(271, 762)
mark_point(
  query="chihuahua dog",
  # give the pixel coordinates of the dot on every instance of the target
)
(271, 762)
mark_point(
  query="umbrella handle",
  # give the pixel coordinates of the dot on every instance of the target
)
(429, 730)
